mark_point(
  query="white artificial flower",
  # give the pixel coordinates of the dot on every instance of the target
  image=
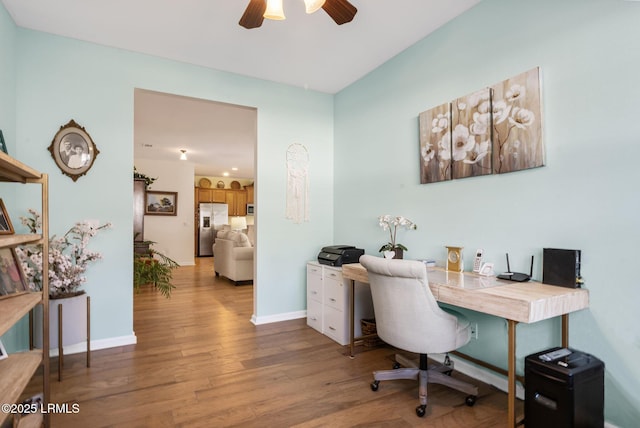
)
(68, 257)
(390, 223)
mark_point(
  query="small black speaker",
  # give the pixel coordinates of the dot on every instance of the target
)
(561, 267)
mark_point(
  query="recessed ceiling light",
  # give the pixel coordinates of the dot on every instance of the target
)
(225, 174)
(183, 156)
(234, 169)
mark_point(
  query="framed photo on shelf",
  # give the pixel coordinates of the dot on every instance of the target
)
(3, 146)
(161, 203)
(6, 228)
(12, 280)
(3, 352)
(73, 150)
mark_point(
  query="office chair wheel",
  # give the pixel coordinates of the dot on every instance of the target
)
(421, 410)
(374, 385)
(470, 400)
(396, 365)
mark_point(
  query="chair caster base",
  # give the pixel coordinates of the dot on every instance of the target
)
(374, 385)
(470, 400)
(421, 410)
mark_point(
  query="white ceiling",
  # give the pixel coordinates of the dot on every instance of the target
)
(308, 51)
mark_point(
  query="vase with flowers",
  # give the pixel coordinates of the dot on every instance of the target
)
(69, 257)
(393, 249)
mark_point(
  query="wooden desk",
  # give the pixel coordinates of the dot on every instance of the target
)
(516, 302)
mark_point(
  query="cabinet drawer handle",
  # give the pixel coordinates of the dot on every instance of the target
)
(331, 328)
(314, 319)
(332, 299)
(314, 292)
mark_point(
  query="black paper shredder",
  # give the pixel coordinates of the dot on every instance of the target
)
(565, 391)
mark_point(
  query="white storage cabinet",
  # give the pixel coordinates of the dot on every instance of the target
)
(328, 302)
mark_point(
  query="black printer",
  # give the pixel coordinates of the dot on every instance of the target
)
(338, 255)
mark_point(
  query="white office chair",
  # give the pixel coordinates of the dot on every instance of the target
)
(409, 318)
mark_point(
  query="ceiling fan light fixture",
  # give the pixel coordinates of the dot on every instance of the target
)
(313, 5)
(183, 155)
(274, 10)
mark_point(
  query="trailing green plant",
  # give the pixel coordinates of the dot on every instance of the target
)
(148, 181)
(154, 268)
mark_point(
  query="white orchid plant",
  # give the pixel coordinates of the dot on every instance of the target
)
(391, 223)
(69, 257)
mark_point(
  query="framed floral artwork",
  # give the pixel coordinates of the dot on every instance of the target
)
(161, 203)
(435, 144)
(471, 134)
(73, 150)
(495, 130)
(517, 123)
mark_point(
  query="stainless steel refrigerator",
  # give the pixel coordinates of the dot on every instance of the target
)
(210, 217)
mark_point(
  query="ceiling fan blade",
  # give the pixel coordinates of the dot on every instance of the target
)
(253, 14)
(341, 11)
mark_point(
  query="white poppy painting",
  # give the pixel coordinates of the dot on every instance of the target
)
(491, 131)
(517, 123)
(471, 135)
(435, 144)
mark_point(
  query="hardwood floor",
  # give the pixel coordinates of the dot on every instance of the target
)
(200, 362)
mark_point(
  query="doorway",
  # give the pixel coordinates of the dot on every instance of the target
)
(219, 141)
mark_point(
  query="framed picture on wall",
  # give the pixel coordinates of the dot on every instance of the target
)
(3, 352)
(73, 150)
(12, 280)
(6, 228)
(161, 203)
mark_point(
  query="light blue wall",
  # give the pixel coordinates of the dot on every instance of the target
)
(7, 78)
(587, 197)
(59, 79)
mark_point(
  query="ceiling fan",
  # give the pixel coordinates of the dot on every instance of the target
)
(341, 11)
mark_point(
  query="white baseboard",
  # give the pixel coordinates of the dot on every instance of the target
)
(278, 317)
(482, 375)
(112, 342)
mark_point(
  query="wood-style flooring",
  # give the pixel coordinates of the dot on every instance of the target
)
(200, 362)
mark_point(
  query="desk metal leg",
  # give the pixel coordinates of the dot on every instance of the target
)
(565, 330)
(511, 397)
(352, 311)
